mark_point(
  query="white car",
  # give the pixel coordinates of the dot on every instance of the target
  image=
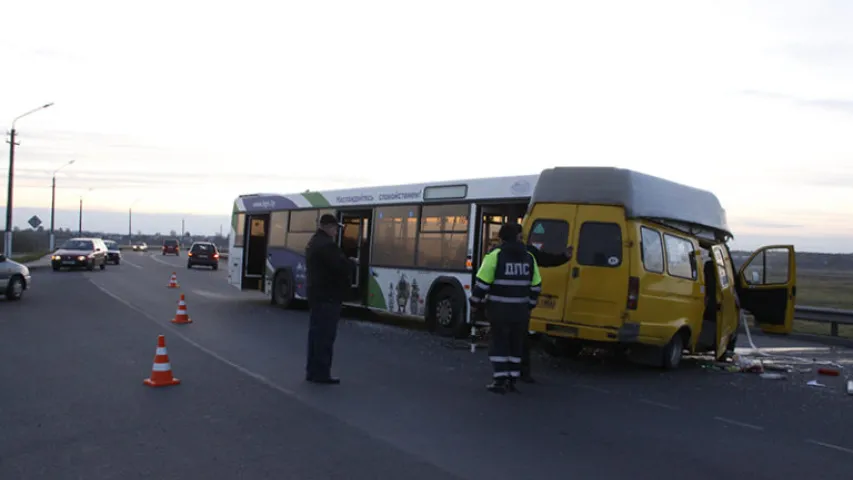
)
(14, 278)
(140, 247)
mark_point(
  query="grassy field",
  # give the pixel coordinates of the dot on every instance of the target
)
(824, 288)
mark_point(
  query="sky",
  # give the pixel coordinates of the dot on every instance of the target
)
(178, 107)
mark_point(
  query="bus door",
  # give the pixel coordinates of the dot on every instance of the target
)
(727, 310)
(354, 240)
(549, 228)
(236, 243)
(766, 286)
(255, 252)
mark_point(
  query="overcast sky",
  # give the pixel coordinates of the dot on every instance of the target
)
(181, 106)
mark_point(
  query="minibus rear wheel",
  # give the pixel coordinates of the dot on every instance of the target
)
(674, 351)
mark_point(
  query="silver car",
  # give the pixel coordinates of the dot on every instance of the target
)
(14, 278)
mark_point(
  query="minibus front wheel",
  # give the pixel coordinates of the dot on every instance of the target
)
(674, 351)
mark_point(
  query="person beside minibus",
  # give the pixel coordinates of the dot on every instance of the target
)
(506, 289)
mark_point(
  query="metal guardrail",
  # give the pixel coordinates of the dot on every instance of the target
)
(833, 316)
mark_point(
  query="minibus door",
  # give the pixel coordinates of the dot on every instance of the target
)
(766, 286)
(727, 311)
(549, 228)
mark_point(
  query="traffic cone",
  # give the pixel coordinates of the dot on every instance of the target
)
(161, 372)
(181, 315)
(173, 282)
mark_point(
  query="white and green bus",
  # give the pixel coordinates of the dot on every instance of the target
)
(416, 245)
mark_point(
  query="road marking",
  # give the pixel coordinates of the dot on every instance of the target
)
(161, 261)
(739, 424)
(125, 262)
(243, 370)
(658, 404)
(590, 387)
(829, 445)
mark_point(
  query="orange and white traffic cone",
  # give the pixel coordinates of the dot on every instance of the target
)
(161, 372)
(173, 282)
(181, 315)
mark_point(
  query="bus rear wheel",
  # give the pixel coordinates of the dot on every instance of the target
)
(448, 313)
(673, 352)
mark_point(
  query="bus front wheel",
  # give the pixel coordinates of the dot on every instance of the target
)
(282, 293)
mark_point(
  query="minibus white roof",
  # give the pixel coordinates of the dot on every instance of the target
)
(642, 195)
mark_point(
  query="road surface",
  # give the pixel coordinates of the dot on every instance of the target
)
(411, 405)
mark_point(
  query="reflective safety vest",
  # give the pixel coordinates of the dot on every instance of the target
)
(508, 283)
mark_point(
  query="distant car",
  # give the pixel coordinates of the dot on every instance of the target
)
(85, 253)
(203, 253)
(113, 252)
(171, 246)
(140, 247)
(14, 278)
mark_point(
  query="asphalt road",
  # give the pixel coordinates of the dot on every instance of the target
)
(410, 406)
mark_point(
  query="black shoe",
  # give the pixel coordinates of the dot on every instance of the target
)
(324, 381)
(511, 386)
(497, 387)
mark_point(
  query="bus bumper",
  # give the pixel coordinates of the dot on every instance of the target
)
(628, 333)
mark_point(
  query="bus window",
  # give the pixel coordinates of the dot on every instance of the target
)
(600, 245)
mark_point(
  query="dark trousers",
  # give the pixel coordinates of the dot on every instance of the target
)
(321, 337)
(506, 348)
(525, 355)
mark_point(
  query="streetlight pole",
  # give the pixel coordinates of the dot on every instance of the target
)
(10, 187)
(80, 215)
(53, 204)
(130, 222)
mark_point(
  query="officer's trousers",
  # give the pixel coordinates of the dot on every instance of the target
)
(322, 332)
(506, 348)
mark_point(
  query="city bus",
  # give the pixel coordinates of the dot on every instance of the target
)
(416, 245)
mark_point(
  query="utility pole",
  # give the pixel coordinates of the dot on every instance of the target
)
(80, 218)
(53, 204)
(130, 226)
(7, 244)
(182, 228)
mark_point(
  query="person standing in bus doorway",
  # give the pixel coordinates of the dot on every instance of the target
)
(507, 287)
(328, 281)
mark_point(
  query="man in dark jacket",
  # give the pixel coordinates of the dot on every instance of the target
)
(328, 281)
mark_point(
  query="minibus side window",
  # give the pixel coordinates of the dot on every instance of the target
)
(600, 245)
(651, 248)
(678, 254)
(549, 236)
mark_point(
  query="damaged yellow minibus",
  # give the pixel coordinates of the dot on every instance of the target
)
(649, 267)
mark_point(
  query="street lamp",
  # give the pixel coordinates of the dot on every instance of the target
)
(53, 204)
(80, 215)
(7, 246)
(130, 221)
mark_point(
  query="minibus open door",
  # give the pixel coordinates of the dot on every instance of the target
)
(767, 287)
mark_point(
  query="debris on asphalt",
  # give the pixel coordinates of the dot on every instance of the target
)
(849, 387)
(828, 371)
(815, 383)
(773, 376)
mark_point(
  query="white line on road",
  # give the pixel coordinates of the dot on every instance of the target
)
(739, 424)
(125, 262)
(829, 445)
(161, 261)
(213, 354)
(658, 404)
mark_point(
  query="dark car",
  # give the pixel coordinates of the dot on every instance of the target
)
(203, 253)
(85, 253)
(171, 246)
(113, 252)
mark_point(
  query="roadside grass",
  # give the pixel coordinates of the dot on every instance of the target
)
(29, 257)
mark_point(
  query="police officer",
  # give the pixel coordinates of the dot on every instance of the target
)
(506, 290)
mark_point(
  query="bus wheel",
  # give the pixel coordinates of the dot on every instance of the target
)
(448, 312)
(673, 351)
(282, 294)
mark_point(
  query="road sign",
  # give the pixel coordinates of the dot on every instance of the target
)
(34, 221)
